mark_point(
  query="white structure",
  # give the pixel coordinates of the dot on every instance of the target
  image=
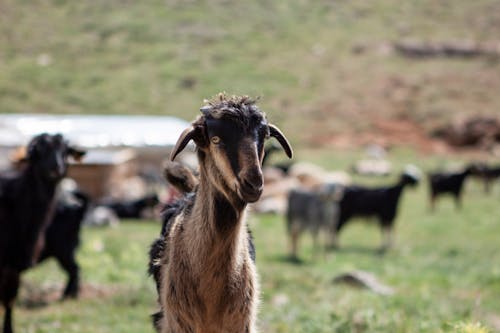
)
(93, 131)
(119, 146)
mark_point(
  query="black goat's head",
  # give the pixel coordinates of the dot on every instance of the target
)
(411, 175)
(230, 137)
(151, 200)
(48, 155)
(475, 169)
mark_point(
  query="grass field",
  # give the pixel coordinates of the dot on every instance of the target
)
(164, 57)
(445, 268)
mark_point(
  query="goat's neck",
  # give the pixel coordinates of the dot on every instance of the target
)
(216, 227)
(43, 188)
(398, 189)
(464, 174)
(39, 197)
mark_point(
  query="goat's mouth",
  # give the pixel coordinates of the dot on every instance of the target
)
(249, 193)
(55, 175)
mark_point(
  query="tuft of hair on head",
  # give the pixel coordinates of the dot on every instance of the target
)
(180, 176)
(223, 98)
(224, 105)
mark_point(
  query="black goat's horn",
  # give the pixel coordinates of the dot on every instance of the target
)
(76, 153)
(183, 140)
(275, 132)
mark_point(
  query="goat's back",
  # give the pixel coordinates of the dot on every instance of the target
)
(63, 234)
(309, 210)
(446, 182)
(365, 202)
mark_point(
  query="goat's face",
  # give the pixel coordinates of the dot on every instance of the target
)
(236, 151)
(48, 154)
(230, 138)
(475, 169)
(411, 175)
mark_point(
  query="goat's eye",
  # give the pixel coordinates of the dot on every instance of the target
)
(215, 139)
(264, 132)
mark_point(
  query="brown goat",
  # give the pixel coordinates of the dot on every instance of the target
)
(203, 263)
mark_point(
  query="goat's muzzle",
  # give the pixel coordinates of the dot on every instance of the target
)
(251, 186)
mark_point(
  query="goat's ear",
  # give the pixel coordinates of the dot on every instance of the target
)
(191, 133)
(77, 154)
(19, 155)
(275, 132)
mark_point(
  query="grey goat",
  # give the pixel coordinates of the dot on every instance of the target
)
(313, 211)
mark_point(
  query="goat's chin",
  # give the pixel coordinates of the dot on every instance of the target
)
(54, 176)
(249, 196)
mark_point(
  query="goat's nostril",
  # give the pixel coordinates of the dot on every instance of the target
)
(255, 185)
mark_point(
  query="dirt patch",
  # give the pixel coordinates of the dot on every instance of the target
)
(478, 131)
(388, 134)
(36, 296)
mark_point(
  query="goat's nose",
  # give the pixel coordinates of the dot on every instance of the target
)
(254, 179)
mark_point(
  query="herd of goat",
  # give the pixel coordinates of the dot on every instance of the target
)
(203, 261)
(329, 207)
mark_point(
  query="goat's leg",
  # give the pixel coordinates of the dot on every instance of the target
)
(487, 186)
(68, 263)
(432, 203)
(334, 242)
(325, 243)
(315, 245)
(386, 238)
(11, 286)
(458, 201)
(294, 239)
(7, 320)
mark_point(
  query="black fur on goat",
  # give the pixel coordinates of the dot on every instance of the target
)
(132, 209)
(451, 183)
(27, 201)
(63, 237)
(489, 174)
(379, 202)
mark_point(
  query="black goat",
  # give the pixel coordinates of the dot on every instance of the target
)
(26, 209)
(489, 174)
(132, 209)
(380, 202)
(449, 183)
(63, 237)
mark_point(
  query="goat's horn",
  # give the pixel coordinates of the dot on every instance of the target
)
(76, 153)
(274, 131)
(183, 140)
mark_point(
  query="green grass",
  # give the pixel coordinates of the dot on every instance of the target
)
(445, 268)
(164, 57)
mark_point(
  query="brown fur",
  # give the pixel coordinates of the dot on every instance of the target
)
(213, 287)
(208, 280)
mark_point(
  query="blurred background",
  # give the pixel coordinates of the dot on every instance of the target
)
(360, 88)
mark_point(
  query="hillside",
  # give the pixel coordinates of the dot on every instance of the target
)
(302, 57)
